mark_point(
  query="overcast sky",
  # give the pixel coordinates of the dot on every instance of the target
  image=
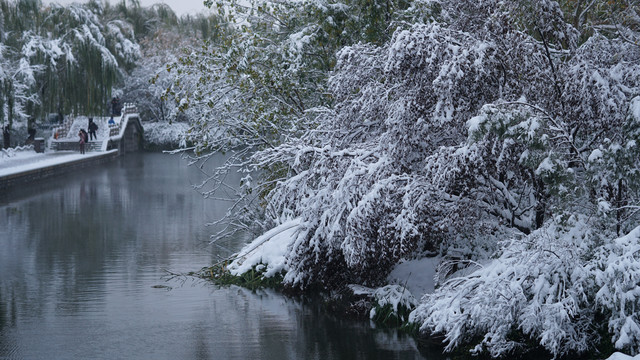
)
(180, 7)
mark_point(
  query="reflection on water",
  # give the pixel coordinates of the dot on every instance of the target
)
(80, 256)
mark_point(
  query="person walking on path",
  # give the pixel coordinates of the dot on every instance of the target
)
(86, 136)
(82, 140)
(93, 127)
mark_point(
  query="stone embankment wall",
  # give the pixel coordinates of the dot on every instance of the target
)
(131, 139)
(53, 170)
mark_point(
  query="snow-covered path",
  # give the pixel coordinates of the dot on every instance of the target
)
(30, 160)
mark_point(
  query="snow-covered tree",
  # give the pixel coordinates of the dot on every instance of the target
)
(253, 86)
(96, 53)
(501, 131)
(565, 149)
(17, 78)
(492, 121)
(540, 289)
(68, 57)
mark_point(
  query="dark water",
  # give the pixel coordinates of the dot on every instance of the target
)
(80, 256)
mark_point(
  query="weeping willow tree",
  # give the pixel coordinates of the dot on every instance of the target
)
(89, 55)
(60, 59)
(15, 76)
(68, 59)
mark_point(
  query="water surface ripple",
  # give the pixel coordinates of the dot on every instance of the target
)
(81, 256)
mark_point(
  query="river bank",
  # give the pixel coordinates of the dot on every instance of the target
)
(261, 263)
(27, 167)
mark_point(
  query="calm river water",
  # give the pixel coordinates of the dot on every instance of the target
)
(81, 257)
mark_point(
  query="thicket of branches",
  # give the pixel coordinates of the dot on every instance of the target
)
(477, 130)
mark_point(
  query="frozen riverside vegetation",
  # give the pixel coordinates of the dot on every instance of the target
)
(542, 288)
(498, 136)
(501, 136)
(267, 253)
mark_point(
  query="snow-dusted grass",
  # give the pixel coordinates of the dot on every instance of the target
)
(393, 304)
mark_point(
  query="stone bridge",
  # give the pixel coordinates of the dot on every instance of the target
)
(125, 134)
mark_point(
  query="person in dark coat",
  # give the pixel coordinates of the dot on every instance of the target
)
(93, 127)
(115, 106)
(31, 137)
(6, 137)
(82, 136)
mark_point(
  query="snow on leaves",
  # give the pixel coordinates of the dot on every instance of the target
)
(493, 120)
(617, 276)
(55, 48)
(549, 286)
(541, 287)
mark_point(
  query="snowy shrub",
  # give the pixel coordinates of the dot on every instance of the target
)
(614, 173)
(393, 305)
(540, 287)
(618, 277)
(447, 138)
(549, 288)
(360, 183)
(494, 120)
(165, 134)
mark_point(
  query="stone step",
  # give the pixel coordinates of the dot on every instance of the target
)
(95, 145)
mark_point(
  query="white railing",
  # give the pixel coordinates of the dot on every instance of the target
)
(11, 152)
(61, 142)
(62, 131)
(127, 109)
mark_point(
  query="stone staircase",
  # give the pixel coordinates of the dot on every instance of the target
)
(68, 135)
(109, 136)
(61, 145)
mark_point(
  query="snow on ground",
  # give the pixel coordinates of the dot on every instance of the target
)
(418, 276)
(82, 122)
(621, 356)
(269, 248)
(159, 133)
(27, 162)
(15, 156)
